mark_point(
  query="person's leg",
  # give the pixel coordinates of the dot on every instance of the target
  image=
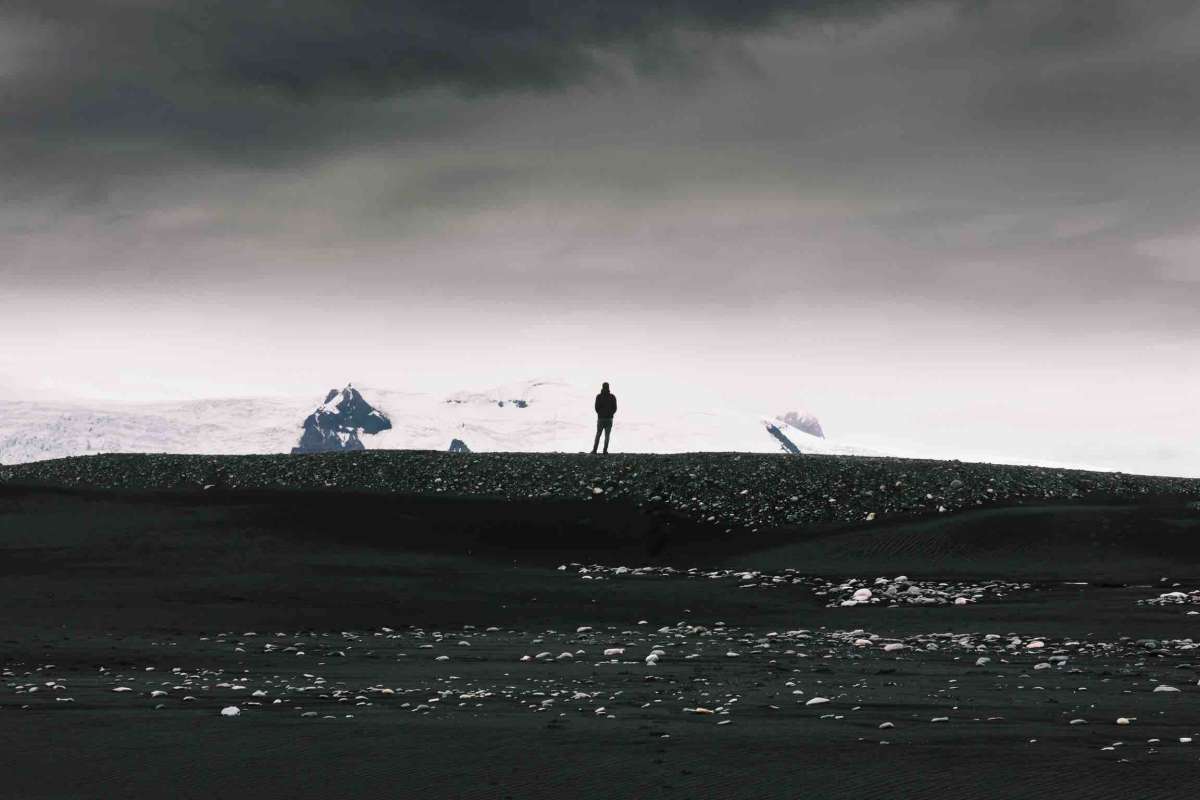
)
(607, 433)
(596, 443)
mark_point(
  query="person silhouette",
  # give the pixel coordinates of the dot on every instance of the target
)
(606, 407)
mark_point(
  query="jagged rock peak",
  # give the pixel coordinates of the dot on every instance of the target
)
(337, 424)
(350, 410)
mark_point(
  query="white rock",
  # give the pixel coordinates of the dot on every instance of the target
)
(862, 595)
(1162, 687)
(614, 651)
(816, 701)
(1124, 721)
(892, 647)
(230, 711)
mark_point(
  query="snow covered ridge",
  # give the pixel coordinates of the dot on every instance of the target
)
(529, 416)
(803, 421)
(544, 416)
(37, 431)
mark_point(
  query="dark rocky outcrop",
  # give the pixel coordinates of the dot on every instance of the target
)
(338, 423)
(787, 444)
(459, 446)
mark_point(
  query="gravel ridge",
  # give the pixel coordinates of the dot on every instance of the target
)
(722, 489)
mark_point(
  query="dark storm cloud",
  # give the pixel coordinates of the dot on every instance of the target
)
(128, 87)
(267, 82)
(230, 73)
(877, 138)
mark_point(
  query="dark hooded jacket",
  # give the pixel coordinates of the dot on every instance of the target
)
(606, 405)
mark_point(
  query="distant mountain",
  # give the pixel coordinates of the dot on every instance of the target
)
(338, 423)
(45, 429)
(803, 421)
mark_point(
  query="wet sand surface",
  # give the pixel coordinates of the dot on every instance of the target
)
(397, 646)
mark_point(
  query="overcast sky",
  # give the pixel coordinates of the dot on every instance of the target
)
(969, 227)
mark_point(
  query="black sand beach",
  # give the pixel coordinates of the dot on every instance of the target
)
(418, 624)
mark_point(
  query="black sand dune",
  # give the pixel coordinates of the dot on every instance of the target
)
(338, 600)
